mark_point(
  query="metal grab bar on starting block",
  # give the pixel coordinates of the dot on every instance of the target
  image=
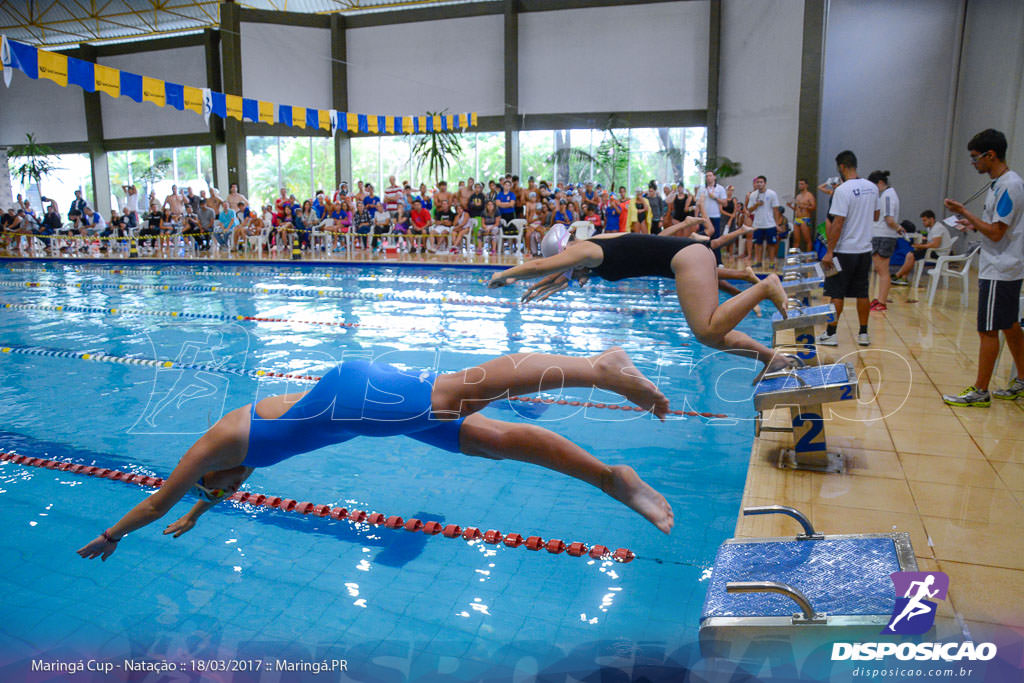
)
(804, 391)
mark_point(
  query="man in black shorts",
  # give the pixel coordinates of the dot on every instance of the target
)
(1000, 270)
(849, 246)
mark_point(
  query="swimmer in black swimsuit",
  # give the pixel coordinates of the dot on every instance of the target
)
(358, 398)
(618, 256)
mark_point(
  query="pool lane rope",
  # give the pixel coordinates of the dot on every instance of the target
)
(234, 317)
(338, 294)
(470, 534)
(100, 357)
(391, 277)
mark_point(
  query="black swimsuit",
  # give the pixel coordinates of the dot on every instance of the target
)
(636, 255)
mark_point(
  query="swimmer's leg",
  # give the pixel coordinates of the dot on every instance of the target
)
(482, 436)
(713, 324)
(466, 392)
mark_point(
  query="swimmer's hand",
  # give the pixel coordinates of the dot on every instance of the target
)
(98, 547)
(500, 280)
(181, 526)
(545, 287)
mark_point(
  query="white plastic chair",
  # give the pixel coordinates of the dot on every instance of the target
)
(932, 257)
(520, 225)
(943, 270)
(583, 230)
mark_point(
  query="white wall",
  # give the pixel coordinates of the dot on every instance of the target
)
(990, 95)
(759, 90)
(886, 94)
(287, 64)
(453, 64)
(614, 58)
(125, 118)
(41, 107)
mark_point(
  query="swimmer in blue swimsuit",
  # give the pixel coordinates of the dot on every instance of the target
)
(358, 398)
(687, 261)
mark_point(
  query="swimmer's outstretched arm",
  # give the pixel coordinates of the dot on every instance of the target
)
(579, 255)
(219, 448)
(489, 438)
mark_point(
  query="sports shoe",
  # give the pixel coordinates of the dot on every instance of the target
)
(900, 282)
(826, 339)
(863, 339)
(969, 398)
(1015, 390)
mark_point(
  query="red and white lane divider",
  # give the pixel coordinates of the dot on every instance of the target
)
(554, 546)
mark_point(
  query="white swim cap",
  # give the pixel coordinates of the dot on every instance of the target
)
(555, 241)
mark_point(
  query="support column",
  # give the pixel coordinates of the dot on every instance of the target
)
(339, 99)
(511, 86)
(213, 82)
(99, 166)
(231, 75)
(714, 68)
(809, 112)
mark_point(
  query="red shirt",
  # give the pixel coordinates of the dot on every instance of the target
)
(420, 217)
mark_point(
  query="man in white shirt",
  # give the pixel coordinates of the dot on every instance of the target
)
(854, 210)
(710, 200)
(763, 204)
(936, 237)
(1000, 271)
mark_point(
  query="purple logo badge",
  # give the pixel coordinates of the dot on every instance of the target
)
(914, 612)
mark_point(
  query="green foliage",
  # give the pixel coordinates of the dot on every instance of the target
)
(723, 167)
(436, 150)
(612, 159)
(37, 161)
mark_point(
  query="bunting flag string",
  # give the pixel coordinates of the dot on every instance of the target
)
(64, 71)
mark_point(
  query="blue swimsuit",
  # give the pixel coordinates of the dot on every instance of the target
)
(356, 398)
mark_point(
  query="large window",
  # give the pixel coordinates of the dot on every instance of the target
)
(73, 172)
(154, 171)
(536, 150)
(301, 165)
(375, 159)
(613, 157)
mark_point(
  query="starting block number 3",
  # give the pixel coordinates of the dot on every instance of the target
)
(807, 340)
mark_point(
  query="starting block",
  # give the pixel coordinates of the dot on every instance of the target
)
(805, 390)
(816, 587)
(794, 257)
(800, 285)
(802, 321)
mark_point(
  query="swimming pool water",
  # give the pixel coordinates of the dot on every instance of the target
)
(262, 583)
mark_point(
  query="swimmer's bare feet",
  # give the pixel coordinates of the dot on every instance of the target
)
(776, 293)
(751, 276)
(620, 375)
(624, 485)
(757, 310)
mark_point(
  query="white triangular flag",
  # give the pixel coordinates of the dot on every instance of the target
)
(334, 122)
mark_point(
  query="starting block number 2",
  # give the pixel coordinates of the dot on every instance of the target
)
(809, 432)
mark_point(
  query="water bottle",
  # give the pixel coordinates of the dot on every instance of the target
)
(181, 247)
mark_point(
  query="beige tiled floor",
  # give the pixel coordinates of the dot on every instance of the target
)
(952, 478)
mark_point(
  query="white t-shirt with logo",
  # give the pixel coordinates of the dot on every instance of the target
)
(1004, 260)
(855, 200)
(888, 205)
(711, 207)
(764, 215)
